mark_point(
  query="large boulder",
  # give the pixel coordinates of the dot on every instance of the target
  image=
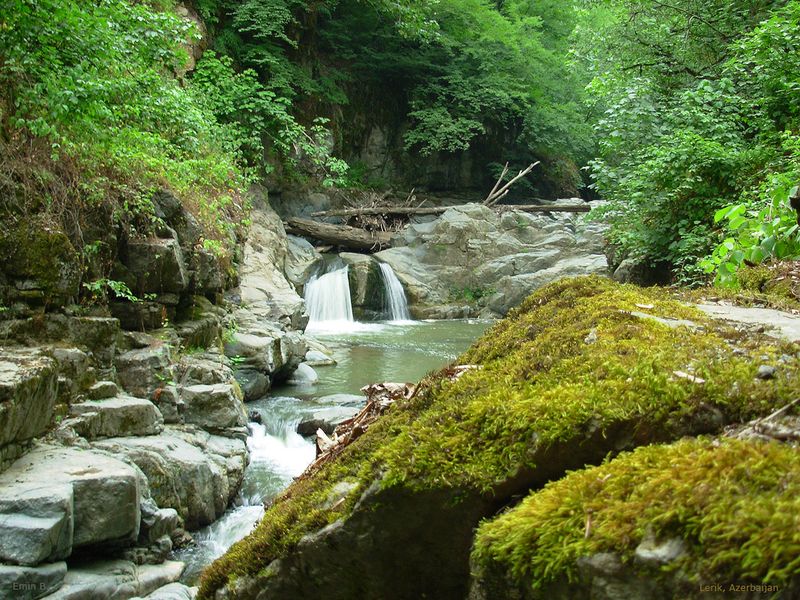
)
(581, 371)
(142, 372)
(367, 290)
(264, 290)
(102, 509)
(28, 393)
(197, 475)
(118, 416)
(154, 266)
(214, 407)
(271, 352)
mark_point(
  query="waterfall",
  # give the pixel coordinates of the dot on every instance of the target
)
(396, 296)
(328, 298)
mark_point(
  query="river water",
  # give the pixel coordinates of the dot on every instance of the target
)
(365, 353)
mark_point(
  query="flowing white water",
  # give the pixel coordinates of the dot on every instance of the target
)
(395, 294)
(328, 301)
(277, 454)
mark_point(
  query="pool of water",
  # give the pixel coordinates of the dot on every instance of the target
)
(365, 353)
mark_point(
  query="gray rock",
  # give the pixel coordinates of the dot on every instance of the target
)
(301, 260)
(28, 392)
(343, 399)
(170, 404)
(214, 407)
(152, 554)
(196, 474)
(253, 383)
(207, 276)
(303, 375)
(156, 522)
(326, 419)
(119, 416)
(471, 249)
(264, 290)
(766, 372)
(155, 266)
(367, 290)
(273, 353)
(30, 583)
(203, 369)
(142, 372)
(511, 291)
(174, 591)
(105, 493)
(75, 366)
(97, 335)
(116, 579)
(315, 358)
(36, 524)
(102, 390)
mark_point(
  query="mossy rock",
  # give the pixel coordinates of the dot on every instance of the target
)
(664, 521)
(41, 259)
(576, 373)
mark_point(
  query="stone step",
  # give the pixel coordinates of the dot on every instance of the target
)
(118, 416)
(57, 499)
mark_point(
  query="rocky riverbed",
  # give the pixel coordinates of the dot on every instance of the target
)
(124, 430)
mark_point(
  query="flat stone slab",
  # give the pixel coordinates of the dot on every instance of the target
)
(116, 579)
(778, 324)
(105, 492)
(36, 524)
(118, 416)
(30, 583)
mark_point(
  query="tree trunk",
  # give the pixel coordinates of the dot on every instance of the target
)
(344, 236)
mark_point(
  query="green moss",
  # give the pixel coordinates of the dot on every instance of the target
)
(571, 370)
(42, 254)
(734, 503)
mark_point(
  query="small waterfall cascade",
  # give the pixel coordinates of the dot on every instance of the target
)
(277, 455)
(395, 295)
(328, 297)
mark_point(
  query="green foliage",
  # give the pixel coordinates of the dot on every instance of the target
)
(252, 113)
(460, 72)
(94, 119)
(472, 295)
(694, 107)
(99, 290)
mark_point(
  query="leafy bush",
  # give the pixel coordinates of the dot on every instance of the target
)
(698, 130)
(94, 116)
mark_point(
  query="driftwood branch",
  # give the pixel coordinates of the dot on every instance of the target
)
(498, 192)
(438, 210)
(340, 235)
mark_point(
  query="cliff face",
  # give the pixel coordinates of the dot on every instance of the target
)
(583, 369)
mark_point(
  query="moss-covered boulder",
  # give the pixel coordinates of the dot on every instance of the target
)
(671, 521)
(40, 261)
(582, 369)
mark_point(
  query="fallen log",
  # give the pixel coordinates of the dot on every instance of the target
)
(438, 210)
(339, 235)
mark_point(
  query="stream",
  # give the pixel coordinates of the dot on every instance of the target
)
(399, 350)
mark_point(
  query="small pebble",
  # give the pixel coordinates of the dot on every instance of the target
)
(766, 372)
